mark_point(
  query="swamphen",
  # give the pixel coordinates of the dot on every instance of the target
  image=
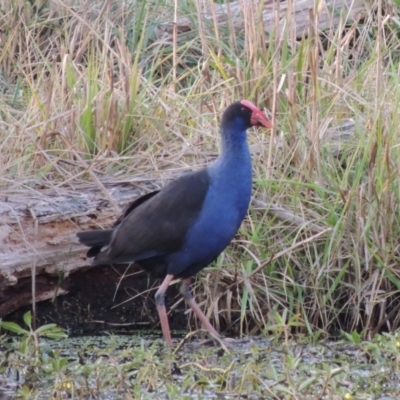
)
(179, 230)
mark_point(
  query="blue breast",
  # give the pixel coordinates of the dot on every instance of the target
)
(223, 210)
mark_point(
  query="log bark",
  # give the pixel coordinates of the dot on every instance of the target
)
(38, 236)
(39, 230)
(291, 13)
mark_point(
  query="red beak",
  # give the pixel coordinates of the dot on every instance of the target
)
(258, 118)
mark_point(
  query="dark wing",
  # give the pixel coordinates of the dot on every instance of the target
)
(133, 205)
(97, 239)
(159, 224)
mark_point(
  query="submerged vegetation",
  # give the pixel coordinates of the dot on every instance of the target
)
(98, 89)
(131, 367)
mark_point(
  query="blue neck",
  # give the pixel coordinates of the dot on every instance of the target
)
(232, 169)
(233, 141)
(235, 153)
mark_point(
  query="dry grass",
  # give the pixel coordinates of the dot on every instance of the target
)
(88, 92)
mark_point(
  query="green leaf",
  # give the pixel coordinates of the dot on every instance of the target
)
(307, 383)
(13, 327)
(57, 335)
(28, 319)
(44, 328)
(52, 331)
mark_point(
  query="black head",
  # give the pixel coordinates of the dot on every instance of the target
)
(243, 115)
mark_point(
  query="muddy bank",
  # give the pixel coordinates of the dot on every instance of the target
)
(101, 299)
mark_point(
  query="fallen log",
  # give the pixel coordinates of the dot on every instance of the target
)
(38, 228)
(38, 235)
(293, 13)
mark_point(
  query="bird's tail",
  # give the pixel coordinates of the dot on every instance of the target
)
(96, 240)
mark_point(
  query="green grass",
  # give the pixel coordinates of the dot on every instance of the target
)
(131, 367)
(93, 85)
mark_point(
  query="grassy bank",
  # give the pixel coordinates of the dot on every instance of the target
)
(93, 85)
(137, 367)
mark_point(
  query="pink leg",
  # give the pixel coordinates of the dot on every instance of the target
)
(162, 312)
(187, 295)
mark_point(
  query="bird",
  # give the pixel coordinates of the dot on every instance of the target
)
(175, 232)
